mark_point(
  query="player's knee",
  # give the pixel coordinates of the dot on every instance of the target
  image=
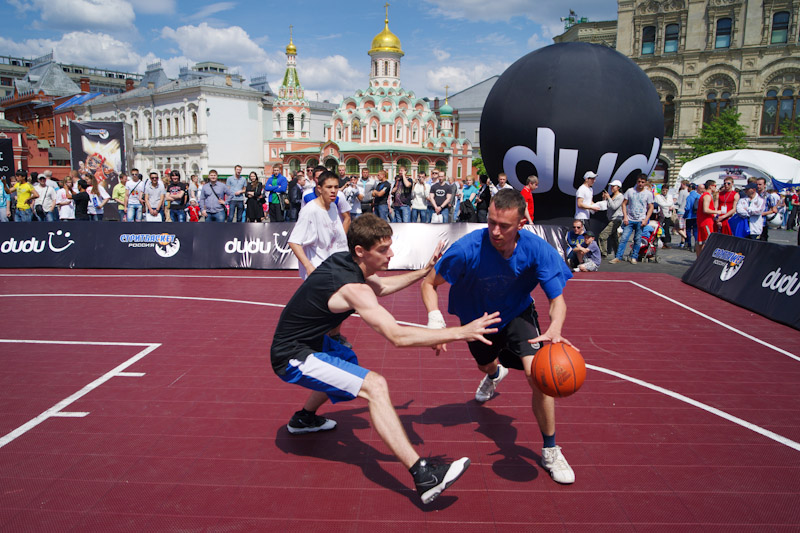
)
(375, 386)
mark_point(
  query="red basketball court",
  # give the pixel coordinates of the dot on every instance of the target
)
(144, 401)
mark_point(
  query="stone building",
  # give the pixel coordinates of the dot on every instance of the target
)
(706, 55)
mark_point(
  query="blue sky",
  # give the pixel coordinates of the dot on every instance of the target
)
(446, 42)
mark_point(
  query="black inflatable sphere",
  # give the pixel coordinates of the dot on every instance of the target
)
(566, 109)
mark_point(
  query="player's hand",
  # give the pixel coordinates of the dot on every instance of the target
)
(551, 337)
(479, 327)
(437, 254)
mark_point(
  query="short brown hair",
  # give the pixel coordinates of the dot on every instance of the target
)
(367, 231)
(509, 199)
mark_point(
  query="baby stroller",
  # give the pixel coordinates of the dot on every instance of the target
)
(648, 246)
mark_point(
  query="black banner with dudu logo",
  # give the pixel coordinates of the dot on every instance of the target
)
(760, 276)
(187, 245)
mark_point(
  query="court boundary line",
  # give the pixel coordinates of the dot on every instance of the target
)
(56, 411)
(712, 410)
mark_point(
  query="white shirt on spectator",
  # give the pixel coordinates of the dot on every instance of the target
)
(320, 233)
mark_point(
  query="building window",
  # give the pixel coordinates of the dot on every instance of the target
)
(671, 35)
(294, 165)
(355, 129)
(414, 133)
(398, 131)
(374, 130)
(312, 162)
(648, 40)
(135, 130)
(374, 165)
(160, 128)
(780, 27)
(352, 166)
(779, 112)
(290, 123)
(177, 126)
(395, 68)
(441, 166)
(723, 33)
(422, 166)
(339, 131)
(669, 115)
(302, 123)
(194, 122)
(385, 68)
(169, 132)
(716, 104)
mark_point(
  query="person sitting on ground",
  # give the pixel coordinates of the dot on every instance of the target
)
(574, 240)
(590, 259)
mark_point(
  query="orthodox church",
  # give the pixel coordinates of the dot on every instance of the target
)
(381, 127)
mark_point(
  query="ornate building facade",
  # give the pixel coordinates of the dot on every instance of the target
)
(386, 126)
(704, 56)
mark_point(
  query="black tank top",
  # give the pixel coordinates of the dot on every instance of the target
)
(306, 318)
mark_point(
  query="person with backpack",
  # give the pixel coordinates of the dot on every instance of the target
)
(690, 213)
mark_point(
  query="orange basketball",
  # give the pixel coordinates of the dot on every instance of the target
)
(558, 369)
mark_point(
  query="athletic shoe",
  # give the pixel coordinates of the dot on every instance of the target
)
(633, 260)
(554, 462)
(486, 388)
(614, 261)
(432, 478)
(341, 339)
(309, 423)
(576, 269)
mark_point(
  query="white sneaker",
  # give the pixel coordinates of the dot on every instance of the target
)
(554, 462)
(487, 386)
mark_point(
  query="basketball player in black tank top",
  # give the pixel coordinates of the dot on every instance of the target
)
(303, 354)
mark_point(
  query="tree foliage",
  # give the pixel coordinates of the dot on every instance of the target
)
(722, 133)
(790, 143)
(477, 164)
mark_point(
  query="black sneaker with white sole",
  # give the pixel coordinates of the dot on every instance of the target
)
(432, 478)
(306, 422)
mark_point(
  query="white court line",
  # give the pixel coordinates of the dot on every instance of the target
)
(131, 374)
(74, 414)
(695, 311)
(56, 410)
(712, 410)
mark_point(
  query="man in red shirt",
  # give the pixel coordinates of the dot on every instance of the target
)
(706, 215)
(527, 193)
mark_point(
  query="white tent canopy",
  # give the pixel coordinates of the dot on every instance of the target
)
(743, 164)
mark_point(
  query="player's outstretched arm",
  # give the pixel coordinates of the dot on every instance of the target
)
(558, 314)
(383, 286)
(363, 300)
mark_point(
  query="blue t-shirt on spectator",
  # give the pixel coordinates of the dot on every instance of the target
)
(483, 281)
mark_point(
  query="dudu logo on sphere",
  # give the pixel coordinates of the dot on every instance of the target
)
(565, 109)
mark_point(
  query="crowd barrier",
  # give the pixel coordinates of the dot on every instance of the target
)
(760, 276)
(143, 245)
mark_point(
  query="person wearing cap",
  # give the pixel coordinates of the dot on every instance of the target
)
(751, 206)
(584, 207)
(589, 257)
(609, 238)
(46, 199)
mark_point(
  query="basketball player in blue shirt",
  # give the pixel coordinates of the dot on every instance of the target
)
(497, 268)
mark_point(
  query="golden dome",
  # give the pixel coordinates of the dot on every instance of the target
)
(291, 48)
(386, 41)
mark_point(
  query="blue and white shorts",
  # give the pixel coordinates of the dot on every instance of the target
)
(334, 371)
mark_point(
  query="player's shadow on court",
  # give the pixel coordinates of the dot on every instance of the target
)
(344, 446)
(514, 462)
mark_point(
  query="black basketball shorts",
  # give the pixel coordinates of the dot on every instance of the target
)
(510, 344)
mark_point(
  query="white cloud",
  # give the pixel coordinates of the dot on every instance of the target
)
(213, 9)
(542, 11)
(82, 14)
(441, 55)
(82, 48)
(161, 7)
(328, 78)
(495, 39)
(226, 45)
(536, 41)
(459, 77)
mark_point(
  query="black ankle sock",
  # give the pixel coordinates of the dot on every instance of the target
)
(416, 466)
(305, 412)
(549, 441)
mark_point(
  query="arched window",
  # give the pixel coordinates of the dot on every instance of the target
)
(405, 163)
(149, 128)
(779, 112)
(395, 68)
(669, 115)
(398, 131)
(135, 130)
(385, 67)
(312, 162)
(177, 126)
(352, 166)
(648, 40)
(290, 122)
(715, 104)
(339, 131)
(160, 128)
(355, 129)
(780, 27)
(671, 38)
(441, 166)
(302, 122)
(294, 165)
(422, 166)
(723, 33)
(374, 130)
(169, 133)
(414, 133)
(375, 64)
(374, 165)
(194, 122)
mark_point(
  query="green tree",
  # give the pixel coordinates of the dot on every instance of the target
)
(790, 143)
(477, 164)
(722, 133)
